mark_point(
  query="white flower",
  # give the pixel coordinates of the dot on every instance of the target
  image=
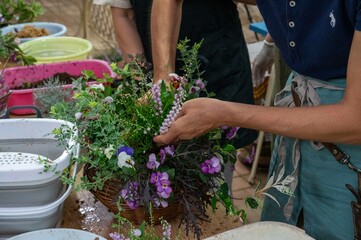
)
(109, 151)
(78, 115)
(124, 160)
(108, 99)
(17, 41)
(97, 86)
(137, 232)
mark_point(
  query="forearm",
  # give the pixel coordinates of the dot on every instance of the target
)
(165, 24)
(328, 123)
(127, 35)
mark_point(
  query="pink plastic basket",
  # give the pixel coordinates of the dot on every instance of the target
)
(16, 76)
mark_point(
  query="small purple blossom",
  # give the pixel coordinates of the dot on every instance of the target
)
(176, 108)
(194, 89)
(161, 155)
(167, 230)
(2, 19)
(159, 202)
(117, 236)
(169, 150)
(155, 177)
(232, 132)
(152, 163)
(163, 187)
(131, 195)
(200, 84)
(211, 166)
(156, 97)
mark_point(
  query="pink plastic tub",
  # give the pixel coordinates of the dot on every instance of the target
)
(17, 76)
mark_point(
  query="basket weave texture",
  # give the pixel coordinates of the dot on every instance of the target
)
(108, 196)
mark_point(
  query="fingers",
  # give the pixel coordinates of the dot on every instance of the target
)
(167, 138)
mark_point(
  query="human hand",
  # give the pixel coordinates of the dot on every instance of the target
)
(262, 63)
(197, 117)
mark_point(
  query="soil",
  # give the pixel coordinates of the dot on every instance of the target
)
(64, 78)
(29, 31)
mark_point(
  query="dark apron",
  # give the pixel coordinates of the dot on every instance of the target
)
(223, 54)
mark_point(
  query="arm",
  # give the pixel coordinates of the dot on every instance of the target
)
(328, 123)
(126, 32)
(165, 24)
(251, 2)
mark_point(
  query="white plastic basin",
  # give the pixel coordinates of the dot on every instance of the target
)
(263, 231)
(58, 234)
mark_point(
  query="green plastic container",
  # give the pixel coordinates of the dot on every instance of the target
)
(57, 49)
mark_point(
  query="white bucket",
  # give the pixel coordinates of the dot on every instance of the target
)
(263, 231)
(57, 234)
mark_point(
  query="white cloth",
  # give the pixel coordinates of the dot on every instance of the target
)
(114, 3)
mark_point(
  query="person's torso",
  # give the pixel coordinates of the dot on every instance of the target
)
(314, 37)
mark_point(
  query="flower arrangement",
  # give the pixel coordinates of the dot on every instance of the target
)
(117, 120)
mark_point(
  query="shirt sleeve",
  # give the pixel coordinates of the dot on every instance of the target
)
(358, 16)
(114, 3)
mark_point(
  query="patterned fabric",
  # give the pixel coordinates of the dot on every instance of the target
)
(320, 191)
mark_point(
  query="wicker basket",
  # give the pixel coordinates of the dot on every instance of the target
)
(109, 193)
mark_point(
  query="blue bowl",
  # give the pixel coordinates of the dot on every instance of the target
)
(55, 29)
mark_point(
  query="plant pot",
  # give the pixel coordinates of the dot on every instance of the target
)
(54, 29)
(15, 77)
(108, 196)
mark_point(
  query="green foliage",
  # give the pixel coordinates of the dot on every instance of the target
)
(51, 93)
(19, 11)
(145, 231)
(9, 50)
(126, 113)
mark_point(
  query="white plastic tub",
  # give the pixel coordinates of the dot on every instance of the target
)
(267, 230)
(32, 198)
(58, 234)
(24, 146)
(14, 221)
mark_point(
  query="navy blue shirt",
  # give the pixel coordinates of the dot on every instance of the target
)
(314, 36)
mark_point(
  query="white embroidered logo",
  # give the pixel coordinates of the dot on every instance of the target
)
(333, 19)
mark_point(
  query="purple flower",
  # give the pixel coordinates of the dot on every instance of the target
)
(117, 236)
(128, 150)
(169, 150)
(193, 90)
(159, 202)
(161, 156)
(131, 195)
(152, 163)
(231, 133)
(200, 84)
(167, 230)
(155, 177)
(211, 166)
(163, 187)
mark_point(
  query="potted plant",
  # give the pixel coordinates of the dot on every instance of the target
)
(28, 82)
(117, 121)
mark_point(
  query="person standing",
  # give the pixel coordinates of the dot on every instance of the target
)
(324, 52)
